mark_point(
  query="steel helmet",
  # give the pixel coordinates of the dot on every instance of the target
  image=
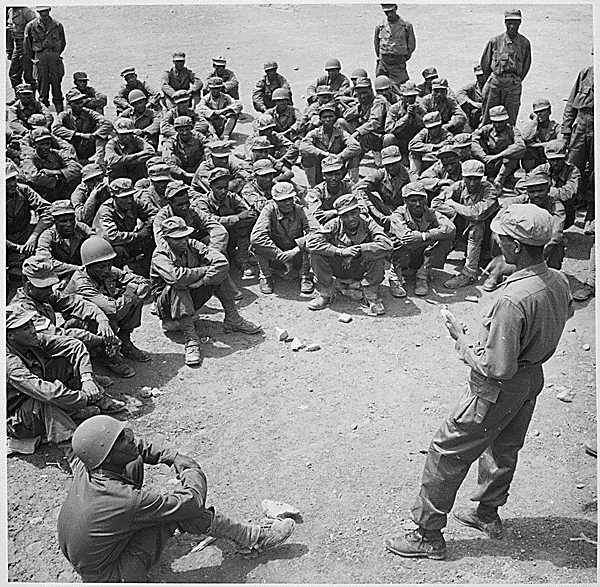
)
(265, 121)
(135, 95)
(95, 250)
(333, 64)
(94, 438)
(382, 82)
(360, 72)
(280, 94)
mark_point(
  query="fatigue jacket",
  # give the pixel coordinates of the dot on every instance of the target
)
(69, 305)
(320, 201)
(152, 198)
(121, 99)
(451, 113)
(261, 95)
(279, 232)
(319, 144)
(581, 99)
(62, 160)
(422, 143)
(564, 184)
(290, 119)
(18, 114)
(86, 201)
(471, 91)
(520, 330)
(381, 193)
(503, 56)
(26, 373)
(486, 141)
(473, 208)
(18, 210)
(225, 211)
(398, 121)
(103, 509)
(119, 156)
(200, 122)
(239, 170)
(438, 171)
(119, 228)
(228, 77)
(173, 80)
(330, 239)
(41, 37)
(184, 157)
(148, 122)
(208, 105)
(109, 294)
(67, 125)
(432, 224)
(284, 149)
(395, 39)
(341, 87)
(65, 254)
(206, 228)
(94, 100)
(369, 118)
(18, 18)
(535, 135)
(255, 196)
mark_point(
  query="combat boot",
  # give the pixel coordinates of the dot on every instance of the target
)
(491, 525)
(129, 350)
(418, 544)
(319, 303)
(422, 283)
(193, 355)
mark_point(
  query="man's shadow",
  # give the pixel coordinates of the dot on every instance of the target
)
(233, 568)
(535, 539)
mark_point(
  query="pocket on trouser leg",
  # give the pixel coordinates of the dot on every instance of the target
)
(471, 412)
(35, 69)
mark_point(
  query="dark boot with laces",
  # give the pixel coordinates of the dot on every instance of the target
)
(419, 543)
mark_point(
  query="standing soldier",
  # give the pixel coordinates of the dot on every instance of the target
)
(395, 43)
(505, 63)
(44, 42)
(266, 85)
(520, 333)
(578, 132)
(179, 77)
(94, 100)
(21, 68)
(230, 82)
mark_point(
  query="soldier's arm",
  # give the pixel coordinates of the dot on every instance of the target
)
(352, 147)
(380, 246)
(103, 126)
(218, 237)
(63, 39)
(517, 148)
(260, 238)
(411, 40)
(232, 82)
(44, 249)
(444, 230)
(570, 112)
(166, 87)
(567, 192)
(61, 129)
(458, 118)
(486, 59)
(308, 148)
(72, 169)
(477, 149)
(526, 59)
(96, 101)
(320, 241)
(481, 210)
(418, 145)
(258, 99)
(171, 274)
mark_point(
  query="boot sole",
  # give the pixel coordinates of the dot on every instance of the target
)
(282, 540)
(469, 525)
(433, 556)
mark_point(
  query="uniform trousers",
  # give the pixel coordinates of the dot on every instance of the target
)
(502, 90)
(49, 70)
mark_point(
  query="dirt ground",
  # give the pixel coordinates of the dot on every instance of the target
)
(341, 432)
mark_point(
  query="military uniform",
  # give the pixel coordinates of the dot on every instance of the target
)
(320, 201)
(173, 80)
(403, 126)
(147, 123)
(128, 160)
(201, 123)
(423, 145)
(94, 100)
(184, 157)
(44, 44)
(471, 91)
(239, 170)
(21, 68)
(340, 87)
(232, 85)
(453, 118)
(368, 121)
(65, 253)
(222, 123)
(261, 95)
(18, 115)
(87, 200)
(121, 101)
(395, 43)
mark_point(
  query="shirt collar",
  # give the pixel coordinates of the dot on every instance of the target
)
(530, 271)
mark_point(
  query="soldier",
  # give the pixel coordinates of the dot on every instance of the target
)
(444, 172)
(470, 98)
(537, 133)
(94, 100)
(470, 203)
(520, 332)
(461, 143)
(27, 145)
(46, 393)
(85, 129)
(395, 43)
(26, 105)
(278, 239)
(366, 121)
(422, 239)
(233, 213)
(383, 87)
(429, 74)
(578, 132)
(132, 523)
(179, 77)
(352, 248)
(500, 146)
(310, 115)
(424, 146)
(126, 154)
(146, 122)
(219, 154)
(284, 150)
(133, 83)
(453, 118)
(44, 42)
(505, 63)
(153, 196)
(321, 197)
(588, 288)
(83, 320)
(182, 99)
(258, 191)
(90, 194)
(404, 120)
(381, 191)
(21, 68)
(119, 294)
(328, 139)
(263, 149)
(288, 119)
(62, 242)
(230, 82)
(338, 83)
(266, 85)
(186, 151)
(53, 174)
(21, 234)
(117, 222)
(219, 108)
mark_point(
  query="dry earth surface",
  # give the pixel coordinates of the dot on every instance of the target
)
(341, 432)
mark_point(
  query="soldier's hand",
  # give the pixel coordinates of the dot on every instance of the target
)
(288, 256)
(412, 237)
(183, 462)
(106, 332)
(455, 328)
(91, 391)
(352, 252)
(29, 246)
(245, 214)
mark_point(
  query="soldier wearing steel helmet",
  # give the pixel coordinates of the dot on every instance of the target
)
(266, 85)
(113, 529)
(146, 122)
(132, 82)
(337, 82)
(384, 87)
(27, 143)
(519, 333)
(119, 294)
(289, 120)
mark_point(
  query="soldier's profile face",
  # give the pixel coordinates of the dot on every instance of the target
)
(24, 335)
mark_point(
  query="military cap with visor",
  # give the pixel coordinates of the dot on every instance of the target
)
(74, 94)
(91, 170)
(218, 173)
(541, 104)
(345, 203)
(363, 82)
(263, 167)
(270, 65)
(555, 149)
(24, 89)
(39, 271)
(261, 143)
(80, 75)
(439, 83)
(432, 119)
(174, 188)
(265, 121)
(219, 148)
(175, 227)
(283, 190)
(390, 155)
(121, 187)
(409, 89)
(17, 316)
(513, 14)
(498, 114)
(62, 208)
(37, 120)
(124, 126)
(182, 121)
(160, 172)
(473, 168)
(429, 73)
(40, 133)
(127, 71)
(220, 60)
(527, 223)
(537, 179)
(332, 163)
(414, 188)
(178, 56)
(447, 151)
(215, 82)
(181, 96)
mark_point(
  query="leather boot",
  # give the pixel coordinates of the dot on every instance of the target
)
(243, 535)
